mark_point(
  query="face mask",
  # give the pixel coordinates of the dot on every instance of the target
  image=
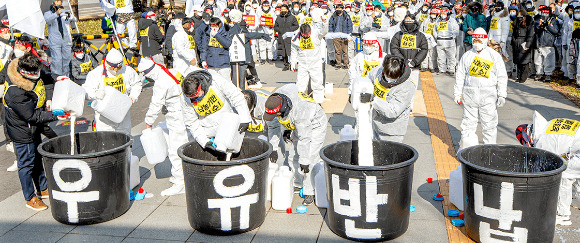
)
(34, 76)
(378, 14)
(444, 16)
(113, 72)
(478, 46)
(576, 16)
(338, 11)
(425, 9)
(18, 53)
(231, 6)
(255, 5)
(277, 12)
(545, 15)
(369, 13)
(498, 10)
(248, 9)
(528, 6)
(512, 16)
(283, 13)
(369, 49)
(296, 9)
(391, 14)
(209, 2)
(80, 55)
(266, 9)
(463, 15)
(226, 15)
(348, 10)
(409, 26)
(433, 16)
(475, 10)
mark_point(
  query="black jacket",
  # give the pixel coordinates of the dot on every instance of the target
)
(285, 24)
(522, 35)
(150, 37)
(416, 55)
(237, 29)
(25, 109)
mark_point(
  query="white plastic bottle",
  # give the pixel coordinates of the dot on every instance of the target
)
(347, 133)
(227, 137)
(114, 106)
(68, 96)
(134, 175)
(273, 168)
(456, 188)
(154, 145)
(282, 189)
(320, 185)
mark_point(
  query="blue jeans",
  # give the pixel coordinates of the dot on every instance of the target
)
(30, 169)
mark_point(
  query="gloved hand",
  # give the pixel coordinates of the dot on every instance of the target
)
(100, 94)
(287, 134)
(366, 97)
(500, 101)
(267, 37)
(210, 145)
(410, 64)
(204, 64)
(458, 100)
(274, 156)
(49, 105)
(305, 168)
(376, 25)
(243, 127)
(565, 47)
(293, 67)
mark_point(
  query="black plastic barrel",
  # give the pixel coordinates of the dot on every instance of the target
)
(91, 186)
(226, 197)
(511, 192)
(370, 203)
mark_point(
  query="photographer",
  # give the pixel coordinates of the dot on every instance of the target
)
(547, 28)
(58, 20)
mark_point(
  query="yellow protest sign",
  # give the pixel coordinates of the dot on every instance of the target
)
(378, 20)
(409, 41)
(40, 93)
(120, 3)
(532, 14)
(575, 25)
(286, 123)
(255, 128)
(209, 104)
(430, 27)
(6, 85)
(213, 42)
(116, 82)
(368, 66)
(355, 19)
(443, 26)
(380, 91)
(423, 17)
(306, 43)
(563, 126)
(493, 24)
(86, 67)
(191, 42)
(305, 97)
(179, 77)
(308, 20)
(144, 32)
(297, 18)
(480, 67)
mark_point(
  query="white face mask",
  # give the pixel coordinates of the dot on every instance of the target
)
(577, 16)
(528, 6)
(478, 46)
(370, 49)
(199, 13)
(443, 16)
(369, 13)
(226, 15)
(377, 13)
(433, 16)
(391, 14)
(113, 72)
(80, 56)
(209, 2)
(277, 12)
(425, 9)
(18, 53)
(296, 9)
(463, 15)
(248, 9)
(255, 5)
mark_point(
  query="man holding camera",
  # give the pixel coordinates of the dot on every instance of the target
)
(58, 20)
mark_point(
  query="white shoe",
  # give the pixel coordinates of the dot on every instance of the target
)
(258, 85)
(10, 147)
(13, 167)
(563, 220)
(173, 190)
(172, 179)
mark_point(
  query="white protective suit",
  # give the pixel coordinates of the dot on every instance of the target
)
(266, 48)
(306, 56)
(203, 123)
(122, 7)
(499, 28)
(429, 27)
(60, 43)
(447, 31)
(308, 122)
(481, 81)
(365, 61)
(391, 106)
(183, 48)
(167, 92)
(102, 76)
(564, 141)
(383, 21)
(568, 28)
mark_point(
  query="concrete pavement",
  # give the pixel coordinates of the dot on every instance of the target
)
(164, 219)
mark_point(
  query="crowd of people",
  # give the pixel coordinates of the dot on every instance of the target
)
(200, 61)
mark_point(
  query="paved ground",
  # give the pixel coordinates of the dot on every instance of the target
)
(164, 219)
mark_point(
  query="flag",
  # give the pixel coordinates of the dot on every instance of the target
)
(26, 16)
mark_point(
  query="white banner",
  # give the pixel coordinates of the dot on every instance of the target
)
(26, 16)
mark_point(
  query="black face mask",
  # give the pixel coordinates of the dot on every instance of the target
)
(498, 10)
(283, 13)
(409, 26)
(231, 6)
(474, 10)
(339, 12)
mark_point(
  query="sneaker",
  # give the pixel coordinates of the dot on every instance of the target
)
(548, 78)
(563, 220)
(538, 77)
(10, 147)
(286, 68)
(13, 167)
(257, 85)
(43, 194)
(308, 200)
(337, 67)
(173, 190)
(172, 179)
(262, 62)
(297, 190)
(36, 204)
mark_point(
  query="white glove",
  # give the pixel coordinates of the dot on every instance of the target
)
(100, 94)
(500, 101)
(293, 67)
(213, 32)
(62, 78)
(458, 100)
(204, 64)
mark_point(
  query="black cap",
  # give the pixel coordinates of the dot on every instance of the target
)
(273, 106)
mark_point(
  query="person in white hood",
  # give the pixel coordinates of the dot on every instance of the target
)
(370, 57)
(447, 30)
(58, 21)
(481, 86)
(559, 136)
(167, 92)
(499, 26)
(119, 76)
(184, 45)
(207, 97)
